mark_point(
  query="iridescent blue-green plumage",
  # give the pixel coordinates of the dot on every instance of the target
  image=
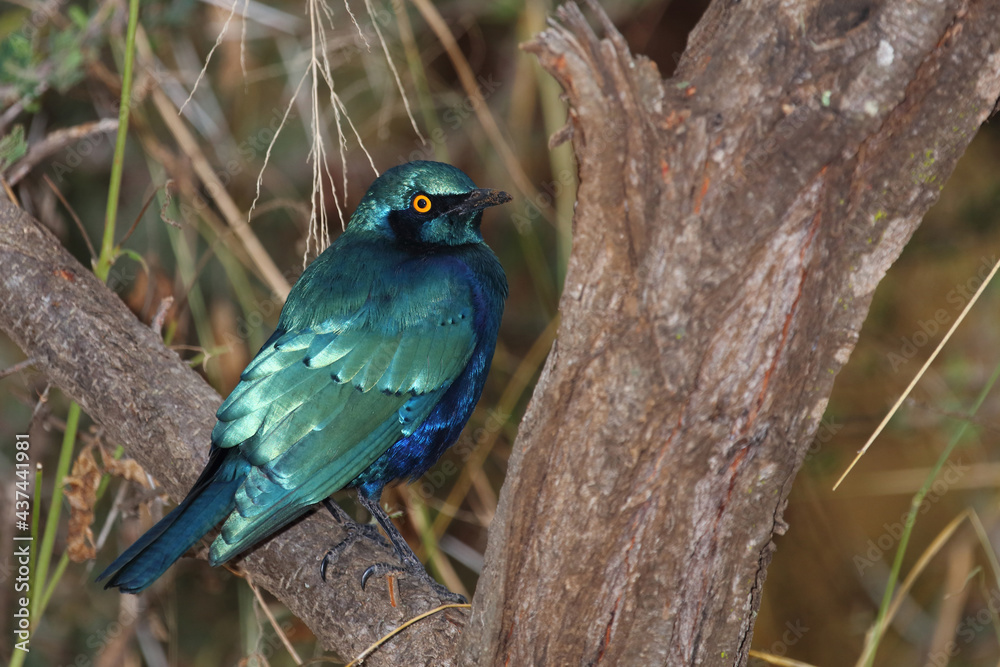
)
(379, 357)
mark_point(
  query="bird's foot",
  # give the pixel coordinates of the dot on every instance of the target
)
(414, 569)
(355, 533)
(408, 562)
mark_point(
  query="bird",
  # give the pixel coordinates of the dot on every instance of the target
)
(380, 354)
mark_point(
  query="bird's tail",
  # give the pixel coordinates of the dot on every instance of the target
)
(208, 502)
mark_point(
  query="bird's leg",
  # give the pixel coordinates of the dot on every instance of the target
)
(355, 532)
(410, 564)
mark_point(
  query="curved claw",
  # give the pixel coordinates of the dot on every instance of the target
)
(379, 569)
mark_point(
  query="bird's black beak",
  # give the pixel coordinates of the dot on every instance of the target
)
(477, 200)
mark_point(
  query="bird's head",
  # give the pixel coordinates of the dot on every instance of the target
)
(425, 204)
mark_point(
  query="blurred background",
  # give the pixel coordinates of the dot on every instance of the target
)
(458, 77)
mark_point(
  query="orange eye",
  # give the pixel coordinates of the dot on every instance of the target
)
(421, 204)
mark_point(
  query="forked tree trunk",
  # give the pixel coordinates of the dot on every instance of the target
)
(732, 225)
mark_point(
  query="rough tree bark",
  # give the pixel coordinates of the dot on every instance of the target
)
(732, 225)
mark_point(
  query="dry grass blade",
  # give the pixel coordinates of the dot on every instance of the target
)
(371, 649)
(274, 623)
(317, 150)
(486, 119)
(986, 542)
(417, 514)
(208, 58)
(266, 15)
(920, 373)
(270, 145)
(778, 660)
(392, 66)
(918, 568)
(8, 191)
(203, 168)
(959, 572)
(243, 43)
(321, 17)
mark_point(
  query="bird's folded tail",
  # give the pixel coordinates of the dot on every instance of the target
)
(209, 501)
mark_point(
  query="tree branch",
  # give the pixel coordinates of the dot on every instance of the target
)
(732, 225)
(86, 341)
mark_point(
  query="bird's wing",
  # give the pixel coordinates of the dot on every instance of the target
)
(317, 406)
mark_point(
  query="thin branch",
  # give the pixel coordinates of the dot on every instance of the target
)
(73, 215)
(17, 368)
(55, 142)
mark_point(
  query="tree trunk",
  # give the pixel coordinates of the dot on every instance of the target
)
(732, 225)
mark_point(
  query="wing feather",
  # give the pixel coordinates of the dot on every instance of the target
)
(321, 402)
